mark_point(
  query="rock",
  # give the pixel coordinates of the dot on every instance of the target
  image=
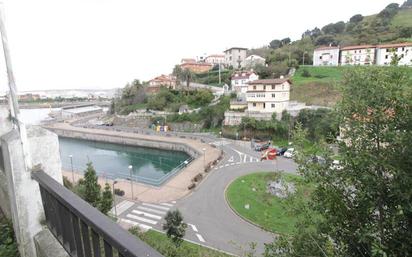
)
(280, 188)
(247, 206)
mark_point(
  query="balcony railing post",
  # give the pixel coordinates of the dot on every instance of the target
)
(78, 222)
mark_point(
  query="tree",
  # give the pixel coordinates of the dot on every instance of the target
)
(178, 73)
(275, 44)
(175, 227)
(91, 187)
(187, 76)
(106, 201)
(286, 41)
(407, 4)
(363, 208)
(356, 18)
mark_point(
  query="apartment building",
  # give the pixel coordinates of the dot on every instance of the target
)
(240, 80)
(386, 53)
(326, 56)
(268, 95)
(235, 56)
(358, 55)
(215, 59)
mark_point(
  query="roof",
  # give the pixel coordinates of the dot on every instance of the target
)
(322, 48)
(216, 55)
(357, 47)
(83, 109)
(241, 48)
(255, 56)
(269, 81)
(188, 60)
(394, 45)
(247, 75)
(162, 78)
(196, 64)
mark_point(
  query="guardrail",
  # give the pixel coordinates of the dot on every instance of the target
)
(82, 230)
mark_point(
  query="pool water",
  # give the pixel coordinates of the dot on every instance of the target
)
(151, 166)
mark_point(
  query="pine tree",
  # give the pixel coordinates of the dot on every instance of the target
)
(175, 227)
(91, 187)
(106, 201)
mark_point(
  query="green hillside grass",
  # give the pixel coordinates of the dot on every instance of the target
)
(403, 18)
(321, 88)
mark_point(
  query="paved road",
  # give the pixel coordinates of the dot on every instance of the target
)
(211, 221)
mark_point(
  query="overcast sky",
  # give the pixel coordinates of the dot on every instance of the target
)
(62, 44)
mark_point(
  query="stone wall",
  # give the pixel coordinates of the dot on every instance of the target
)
(164, 144)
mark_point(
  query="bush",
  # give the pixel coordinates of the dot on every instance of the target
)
(8, 243)
(67, 183)
(118, 192)
(306, 74)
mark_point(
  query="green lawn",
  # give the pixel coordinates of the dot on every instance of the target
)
(270, 212)
(318, 74)
(403, 18)
(163, 245)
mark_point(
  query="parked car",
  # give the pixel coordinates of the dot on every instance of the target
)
(289, 153)
(261, 147)
(281, 151)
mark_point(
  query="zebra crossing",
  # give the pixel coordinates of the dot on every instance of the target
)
(143, 215)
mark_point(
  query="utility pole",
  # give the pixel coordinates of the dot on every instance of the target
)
(220, 80)
(14, 105)
(303, 61)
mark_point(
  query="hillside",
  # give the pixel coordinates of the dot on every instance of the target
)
(319, 85)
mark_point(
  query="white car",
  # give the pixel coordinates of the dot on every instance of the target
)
(289, 153)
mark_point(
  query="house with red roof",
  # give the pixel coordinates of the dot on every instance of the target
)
(385, 53)
(240, 80)
(358, 55)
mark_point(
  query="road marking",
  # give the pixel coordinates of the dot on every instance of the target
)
(232, 164)
(173, 202)
(201, 239)
(151, 210)
(244, 159)
(131, 216)
(143, 226)
(231, 159)
(220, 166)
(122, 207)
(251, 159)
(167, 204)
(147, 214)
(156, 206)
(193, 227)
(227, 165)
(239, 163)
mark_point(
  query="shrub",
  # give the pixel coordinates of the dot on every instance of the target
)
(8, 243)
(67, 183)
(306, 74)
(118, 192)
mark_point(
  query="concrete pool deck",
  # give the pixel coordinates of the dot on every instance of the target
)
(174, 188)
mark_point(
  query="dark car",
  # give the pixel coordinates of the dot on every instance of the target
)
(261, 147)
(280, 150)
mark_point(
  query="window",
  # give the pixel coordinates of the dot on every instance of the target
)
(403, 49)
(239, 50)
(273, 105)
(254, 87)
(386, 56)
(273, 87)
(320, 57)
(264, 105)
(254, 104)
(273, 95)
(283, 87)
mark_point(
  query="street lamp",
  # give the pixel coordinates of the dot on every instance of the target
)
(131, 180)
(204, 157)
(220, 133)
(114, 199)
(71, 163)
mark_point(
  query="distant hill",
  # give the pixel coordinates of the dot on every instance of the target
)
(391, 25)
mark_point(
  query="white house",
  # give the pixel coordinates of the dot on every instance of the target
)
(215, 59)
(326, 56)
(385, 53)
(268, 95)
(358, 55)
(240, 80)
(235, 56)
(252, 60)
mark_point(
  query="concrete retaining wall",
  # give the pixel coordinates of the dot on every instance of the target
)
(129, 141)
